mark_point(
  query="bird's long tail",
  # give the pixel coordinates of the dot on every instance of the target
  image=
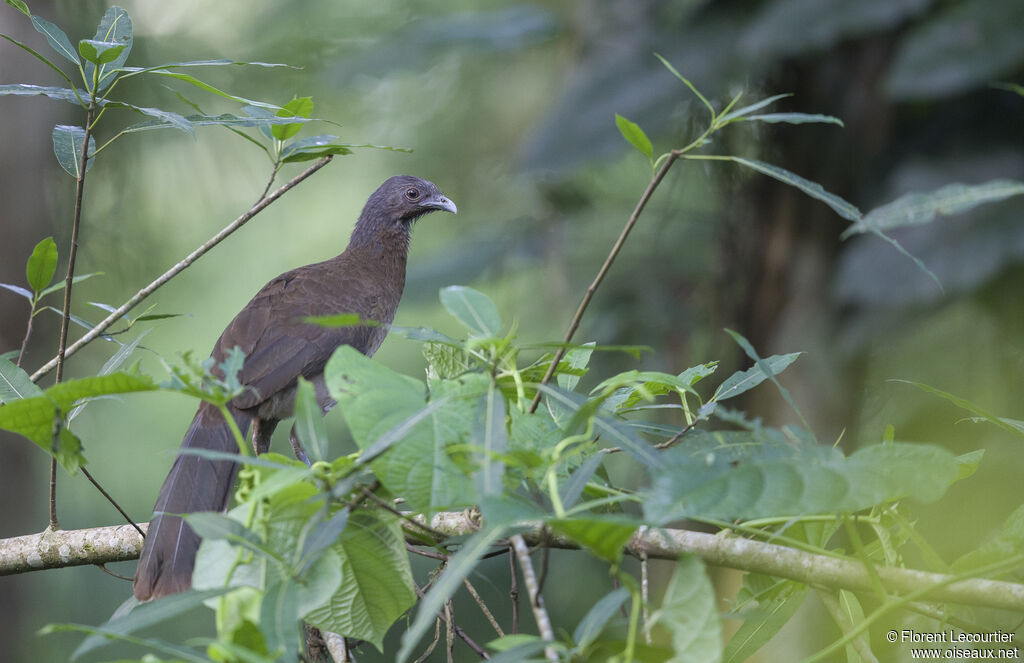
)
(193, 484)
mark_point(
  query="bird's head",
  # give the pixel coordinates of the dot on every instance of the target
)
(403, 198)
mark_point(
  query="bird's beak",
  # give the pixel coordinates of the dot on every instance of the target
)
(440, 202)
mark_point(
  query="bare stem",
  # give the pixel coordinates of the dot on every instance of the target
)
(601, 273)
(259, 206)
(540, 613)
(28, 332)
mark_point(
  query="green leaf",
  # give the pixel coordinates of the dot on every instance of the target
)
(110, 366)
(377, 585)
(597, 617)
(309, 421)
(74, 280)
(58, 40)
(41, 264)
(99, 52)
(742, 381)
(42, 59)
(67, 145)
(473, 309)
(192, 80)
(916, 209)
(490, 437)
(576, 359)
(688, 612)
(459, 566)
(741, 113)
(1006, 543)
(776, 603)
(812, 189)
(164, 118)
(34, 417)
(605, 536)
(20, 6)
(298, 107)
(688, 84)
(218, 527)
(18, 290)
(981, 413)
(15, 383)
(313, 147)
(279, 618)
(795, 118)
(24, 89)
(632, 132)
(114, 28)
(753, 480)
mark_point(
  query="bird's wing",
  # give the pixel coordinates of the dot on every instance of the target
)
(278, 345)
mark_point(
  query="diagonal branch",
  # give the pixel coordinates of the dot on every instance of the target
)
(120, 312)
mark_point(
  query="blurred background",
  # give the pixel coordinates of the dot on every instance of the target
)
(509, 107)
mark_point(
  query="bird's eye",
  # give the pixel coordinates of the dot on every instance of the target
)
(412, 194)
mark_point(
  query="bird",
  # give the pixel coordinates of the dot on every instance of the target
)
(367, 279)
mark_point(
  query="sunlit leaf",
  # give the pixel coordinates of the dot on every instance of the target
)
(632, 132)
(41, 264)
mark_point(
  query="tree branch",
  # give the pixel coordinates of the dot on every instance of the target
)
(120, 312)
(101, 545)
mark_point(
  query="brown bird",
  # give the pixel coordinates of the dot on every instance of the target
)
(367, 279)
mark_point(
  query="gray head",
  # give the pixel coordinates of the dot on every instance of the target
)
(401, 200)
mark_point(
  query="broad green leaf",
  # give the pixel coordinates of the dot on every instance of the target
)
(689, 614)
(597, 617)
(309, 421)
(795, 118)
(741, 113)
(404, 438)
(114, 28)
(632, 132)
(313, 147)
(24, 89)
(967, 464)
(605, 536)
(812, 189)
(133, 616)
(758, 482)
(776, 602)
(298, 107)
(58, 40)
(218, 527)
(915, 209)
(473, 309)
(99, 52)
(459, 566)
(323, 535)
(34, 417)
(15, 383)
(41, 264)
(377, 584)
(67, 145)
(742, 381)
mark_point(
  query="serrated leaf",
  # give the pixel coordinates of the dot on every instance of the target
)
(309, 421)
(473, 309)
(742, 381)
(34, 417)
(114, 28)
(916, 209)
(688, 612)
(67, 146)
(605, 536)
(812, 189)
(15, 383)
(58, 40)
(41, 264)
(377, 584)
(758, 482)
(632, 132)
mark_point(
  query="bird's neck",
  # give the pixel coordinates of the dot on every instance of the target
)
(383, 251)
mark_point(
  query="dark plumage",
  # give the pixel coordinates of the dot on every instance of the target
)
(367, 279)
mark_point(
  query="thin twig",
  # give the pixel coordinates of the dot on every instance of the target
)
(449, 632)
(483, 607)
(842, 620)
(103, 568)
(28, 332)
(404, 516)
(120, 312)
(601, 273)
(433, 643)
(513, 591)
(540, 613)
(111, 500)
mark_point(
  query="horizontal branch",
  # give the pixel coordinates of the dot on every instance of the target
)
(102, 545)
